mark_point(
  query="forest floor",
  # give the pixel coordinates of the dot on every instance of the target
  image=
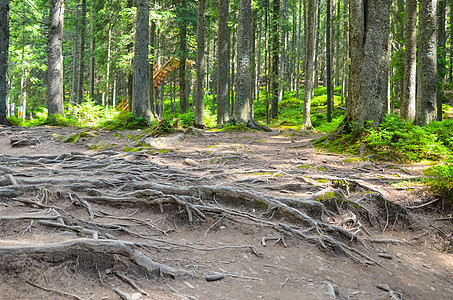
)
(213, 215)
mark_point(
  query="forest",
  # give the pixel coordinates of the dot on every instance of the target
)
(148, 144)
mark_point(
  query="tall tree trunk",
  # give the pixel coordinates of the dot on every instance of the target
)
(199, 101)
(223, 108)
(243, 106)
(107, 85)
(299, 50)
(317, 52)
(130, 75)
(152, 50)
(253, 54)
(55, 100)
(183, 101)
(75, 55)
(275, 57)
(442, 44)
(4, 43)
(92, 57)
(82, 53)
(310, 62)
(407, 109)
(426, 101)
(329, 60)
(345, 76)
(140, 104)
(369, 29)
(451, 40)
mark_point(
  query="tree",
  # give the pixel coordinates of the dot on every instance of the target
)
(329, 61)
(275, 57)
(426, 100)
(199, 101)
(369, 31)
(81, 53)
(407, 109)
(223, 108)
(243, 106)
(55, 100)
(4, 42)
(441, 61)
(140, 103)
(310, 62)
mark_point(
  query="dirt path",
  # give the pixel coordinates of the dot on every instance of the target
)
(78, 223)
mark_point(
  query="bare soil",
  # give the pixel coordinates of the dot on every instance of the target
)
(239, 215)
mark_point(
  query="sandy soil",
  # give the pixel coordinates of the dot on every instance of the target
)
(419, 265)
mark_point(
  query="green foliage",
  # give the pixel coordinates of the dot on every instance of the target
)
(59, 120)
(440, 181)
(123, 120)
(399, 139)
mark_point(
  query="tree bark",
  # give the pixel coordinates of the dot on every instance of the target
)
(75, 55)
(223, 108)
(369, 29)
(407, 109)
(82, 53)
(329, 60)
(275, 57)
(183, 102)
(92, 57)
(310, 62)
(442, 44)
(199, 101)
(243, 106)
(55, 100)
(299, 50)
(426, 101)
(242, 112)
(140, 104)
(4, 43)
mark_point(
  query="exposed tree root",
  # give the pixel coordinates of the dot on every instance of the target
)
(105, 253)
(334, 217)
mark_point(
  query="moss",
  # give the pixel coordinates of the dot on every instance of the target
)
(324, 181)
(326, 196)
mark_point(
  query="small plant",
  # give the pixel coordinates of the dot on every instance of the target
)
(440, 181)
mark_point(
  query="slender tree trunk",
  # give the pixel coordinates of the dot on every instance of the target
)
(451, 40)
(329, 60)
(442, 44)
(92, 58)
(317, 52)
(275, 57)
(426, 102)
(75, 55)
(223, 108)
(183, 101)
(55, 94)
(199, 101)
(345, 76)
(233, 69)
(253, 54)
(310, 60)
(140, 103)
(407, 109)
(258, 75)
(152, 50)
(4, 43)
(299, 50)
(82, 53)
